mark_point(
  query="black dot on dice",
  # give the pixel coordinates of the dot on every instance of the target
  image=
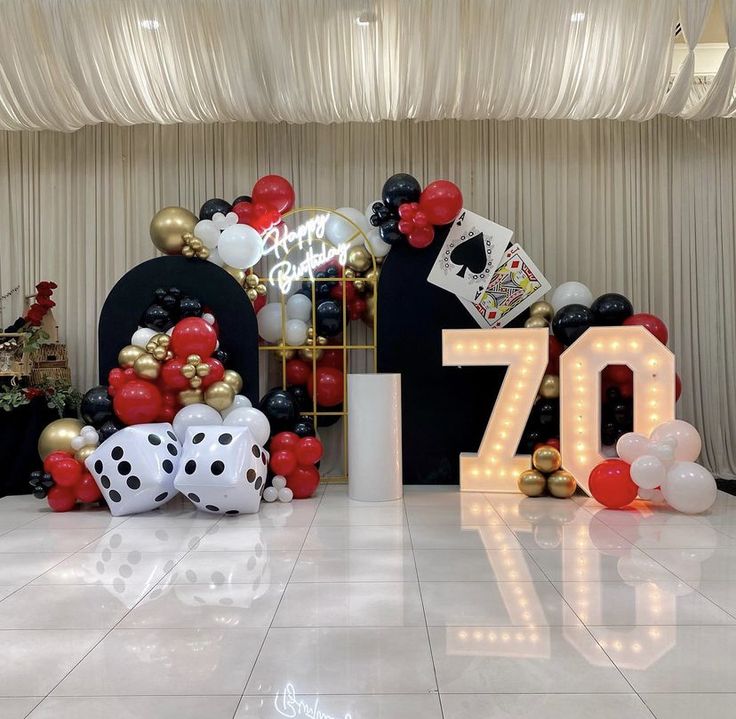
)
(168, 466)
(190, 467)
(161, 497)
(105, 481)
(217, 467)
(225, 438)
(115, 496)
(124, 468)
(173, 451)
(212, 507)
(258, 483)
(154, 439)
(117, 453)
(193, 497)
(232, 511)
(133, 482)
(171, 434)
(98, 466)
(256, 450)
(251, 475)
(198, 438)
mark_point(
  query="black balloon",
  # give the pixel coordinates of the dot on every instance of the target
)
(608, 433)
(304, 427)
(170, 303)
(301, 397)
(380, 214)
(242, 198)
(329, 318)
(280, 407)
(547, 414)
(570, 322)
(157, 318)
(109, 428)
(389, 232)
(611, 309)
(400, 188)
(330, 419)
(190, 307)
(212, 206)
(96, 407)
(220, 355)
(529, 439)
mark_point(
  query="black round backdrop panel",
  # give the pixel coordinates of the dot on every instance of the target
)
(445, 410)
(214, 287)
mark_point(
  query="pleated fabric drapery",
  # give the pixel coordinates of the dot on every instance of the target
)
(647, 209)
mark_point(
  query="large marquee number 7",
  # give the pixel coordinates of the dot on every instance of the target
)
(496, 466)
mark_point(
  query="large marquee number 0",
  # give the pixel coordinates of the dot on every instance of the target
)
(496, 466)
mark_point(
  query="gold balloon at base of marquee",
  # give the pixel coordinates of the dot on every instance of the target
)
(547, 473)
(550, 387)
(546, 459)
(58, 436)
(532, 483)
(561, 484)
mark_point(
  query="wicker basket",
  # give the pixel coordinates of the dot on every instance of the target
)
(51, 374)
(18, 363)
(50, 354)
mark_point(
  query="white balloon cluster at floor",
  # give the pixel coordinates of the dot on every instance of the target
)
(229, 242)
(271, 322)
(663, 467)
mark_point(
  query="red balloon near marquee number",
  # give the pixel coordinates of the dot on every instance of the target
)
(137, 402)
(274, 191)
(284, 440)
(193, 336)
(303, 482)
(298, 371)
(651, 323)
(87, 490)
(283, 462)
(329, 386)
(309, 451)
(66, 472)
(678, 386)
(61, 499)
(441, 201)
(611, 485)
(556, 348)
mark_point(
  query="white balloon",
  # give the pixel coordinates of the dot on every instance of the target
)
(142, 336)
(208, 318)
(687, 437)
(240, 246)
(648, 472)
(632, 445)
(239, 402)
(208, 232)
(269, 322)
(340, 230)
(252, 418)
(376, 245)
(77, 443)
(285, 495)
(664, 452)
(689, 488)
(270, 494)
(299, 307)
(279, 481)
(571, 293)
(215, 258)
(296, 332)
(90, 436)
(651, 495)
(195, 415)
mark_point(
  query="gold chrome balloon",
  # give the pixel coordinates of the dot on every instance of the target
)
(358, 258)
(168, 228)
(235, 272)
(532, 483)
(546, 459)
(561, 484)
(371, 280)
(370, 310)
(81, 454)
(129, 354)
(147, 367)
(348, 272)
(219, 396)
(308, 353)
(190, 396)
(360, 285)
(550, 387)
(58, 436)
(252, 294)
(283, 353)
(232, 378)
(536, 321)
(542, 309)
(189, 371)
(252, 281)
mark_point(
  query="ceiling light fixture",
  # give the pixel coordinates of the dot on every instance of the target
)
(365, 18)
(150, 24)
(577, 17)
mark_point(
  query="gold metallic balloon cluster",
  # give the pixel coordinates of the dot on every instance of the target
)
(254, 286)
(195, 370)
(547, 473)
(314, 350)
(541, 314)
(219, 395)
(194, 247)
(146, 363)
(365, 279)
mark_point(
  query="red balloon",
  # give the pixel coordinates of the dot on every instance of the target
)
(115, 380)
(51, 459)
(303, 482)
(87, 490)
(217, 371)
(193, 336)
(171, 377)
(618, 374)
(298, 371)
(331, 358)
(61, 499)
(350, 292)
(650, 322)
(168, 399)
(357, 308)
(421, 237)
(66, 472)
(626, 389)
(274, 191)
(329, 386)
(309, 451)
(556, 348)
(441, 201)
(553, 442)
(284, 440)
(246, 213)
(137, 402)
(610, 484)
(678, 386)
(283, 462)
(166, 414)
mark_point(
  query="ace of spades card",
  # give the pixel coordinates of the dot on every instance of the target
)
(470, 254)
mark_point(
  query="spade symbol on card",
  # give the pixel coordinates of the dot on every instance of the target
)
(470, 255)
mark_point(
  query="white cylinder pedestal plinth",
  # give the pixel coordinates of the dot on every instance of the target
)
(374, 437)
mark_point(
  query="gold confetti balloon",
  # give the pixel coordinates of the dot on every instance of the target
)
(546, 459)
(168, 228)
(550, 387)
(532, 483)
(542, 309)
(561, 484)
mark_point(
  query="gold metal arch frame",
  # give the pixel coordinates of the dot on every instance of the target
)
(281, 353)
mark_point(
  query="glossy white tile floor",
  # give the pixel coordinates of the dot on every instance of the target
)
(440, 606)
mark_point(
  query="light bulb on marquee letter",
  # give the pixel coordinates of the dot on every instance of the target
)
(496, 467)
(581, 364)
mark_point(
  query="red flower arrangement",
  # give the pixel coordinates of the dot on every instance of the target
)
(42, 303)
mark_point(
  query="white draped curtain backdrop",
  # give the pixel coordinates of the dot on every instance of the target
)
(647, 209)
